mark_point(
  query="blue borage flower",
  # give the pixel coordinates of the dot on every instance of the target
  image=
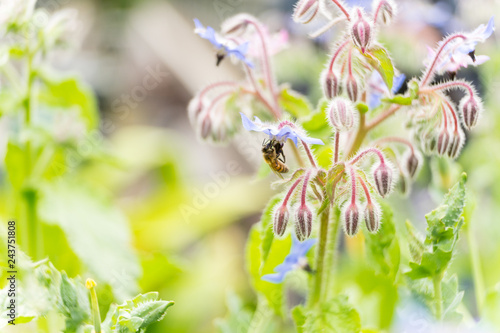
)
(460, 53)
(280, 133)
(293, 260)
(227, 46)
(378, 88)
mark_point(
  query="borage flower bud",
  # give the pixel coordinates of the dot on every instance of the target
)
(385, 10)
(305, 11)
(195, 107)
(205, 126)
(372, 217)
(382, 174)
(341, 114)
(281, 217)
(351, 219)
(471, 108)
(361, 29)
(330, 83)
(443, 142)
(351, 86)
(411, 162)
(235, 25)
(303, 223)
(456, 143)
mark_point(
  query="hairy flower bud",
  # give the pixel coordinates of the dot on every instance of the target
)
(281, 217)
(351, 219)
(205, 126)
(305, 11)
(330, 83)
(351, 86)
(341, 114)
(303, 223)
(411, 162)
(443, 142)
(456, 143)
(471, 108)
(235, 25)
(372, 217)
(195, 107)
(382, 174)
(361, 29)
(385, 9)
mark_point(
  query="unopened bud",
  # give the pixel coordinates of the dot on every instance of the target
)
(281, 217)
(303, 223)
(411, 162)
(195, 107)
(361, 29)
(330, 83)
(429, 142)
(456, 143)
(372, 217)
(471, 110)
(341, 114)
(235, 25)
(351, 219)
(386, 10)
(305, 11)
(443, 142)
(205, 126)
(383, 178)
(351, 87)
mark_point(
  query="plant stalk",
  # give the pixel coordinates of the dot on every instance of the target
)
(318, 283)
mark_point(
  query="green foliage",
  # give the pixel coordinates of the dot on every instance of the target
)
(238, 318)
(137, 314)
(333, 316)
(381, 61)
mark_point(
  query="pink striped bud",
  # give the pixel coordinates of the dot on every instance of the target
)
(443, 142)
(330, 83)
(303, 223)
(411, 162)
(372, 217)
(471, 108)
(341, 114)
(281, 217)
(305, 11)
(205, 126)
(351, 86)
(195, 107)
(361, 29)
(456, 143)
(382, 175)
(386, 10)
(351, 219)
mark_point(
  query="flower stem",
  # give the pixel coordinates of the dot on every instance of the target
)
(477, 273)
(438, 299)
(318, 284)
(333, 237)
(358, 139)
(96, 316)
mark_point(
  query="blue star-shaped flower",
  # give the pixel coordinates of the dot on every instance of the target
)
(281, 134)
(226, 46)
(292, 261)
(378, 88)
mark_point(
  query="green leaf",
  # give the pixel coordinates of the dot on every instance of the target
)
(380, 60)
(238, 318)
(266, 225)
(75, 304)
(451, 298)
(299, 317)
(71, 92)
(334, 316)
(432, 264)
(15, 165)
(382, 248)
(399, 99)
(136, 314)
(97, 232)
(294, 103)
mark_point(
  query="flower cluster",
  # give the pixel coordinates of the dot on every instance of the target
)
(360, 87)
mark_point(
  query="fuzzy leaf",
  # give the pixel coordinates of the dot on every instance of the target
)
(299, 317)
(238, 318)
(380, 60)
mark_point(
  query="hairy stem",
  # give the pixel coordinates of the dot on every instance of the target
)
(358, 139)
(438, 298)
(318, 283)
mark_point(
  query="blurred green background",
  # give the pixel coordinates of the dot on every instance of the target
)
(190, 205)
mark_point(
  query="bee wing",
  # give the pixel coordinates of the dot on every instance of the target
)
(276, 172)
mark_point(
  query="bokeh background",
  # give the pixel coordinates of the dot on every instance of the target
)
(190, 205)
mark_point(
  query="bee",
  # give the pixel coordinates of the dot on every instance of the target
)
(272, 151)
